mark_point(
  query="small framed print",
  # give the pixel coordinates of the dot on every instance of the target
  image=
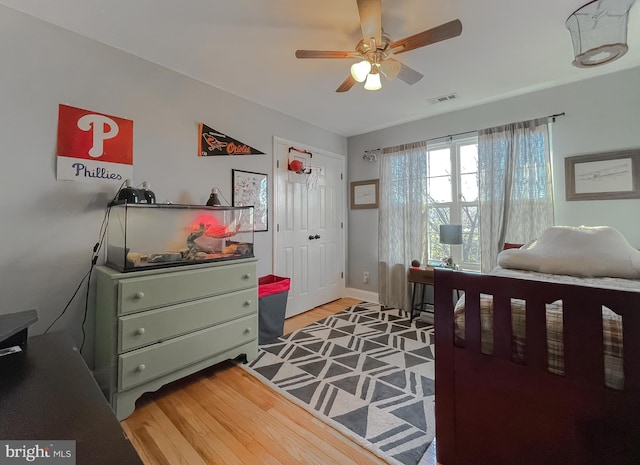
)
(603, 176)
(364, 194)
(250, 189)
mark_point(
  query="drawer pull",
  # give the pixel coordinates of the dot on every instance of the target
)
(140, 331)
(248, 330)
(141, 367)
(247, 303)
(138, 295)
(246, 276)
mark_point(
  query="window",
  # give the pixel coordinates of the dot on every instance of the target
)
(452, 198)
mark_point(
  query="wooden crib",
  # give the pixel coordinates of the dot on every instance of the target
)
(493, 410)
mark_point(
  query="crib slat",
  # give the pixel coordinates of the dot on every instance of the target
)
(472, 334)
(583, 340)
(502, 327)
(536, 334)
(631, 355)
(445, 382)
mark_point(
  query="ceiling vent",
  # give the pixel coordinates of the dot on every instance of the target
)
(443, 98)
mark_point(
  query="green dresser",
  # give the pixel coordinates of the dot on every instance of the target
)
(157, 326)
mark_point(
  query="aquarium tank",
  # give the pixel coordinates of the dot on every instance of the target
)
(142, 236)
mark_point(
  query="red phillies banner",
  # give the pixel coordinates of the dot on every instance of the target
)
(93, 146)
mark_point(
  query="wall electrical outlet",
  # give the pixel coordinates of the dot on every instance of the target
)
(365, 277)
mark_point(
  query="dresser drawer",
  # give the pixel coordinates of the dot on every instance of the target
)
(142, 365)
(143, 293)
(144, 328)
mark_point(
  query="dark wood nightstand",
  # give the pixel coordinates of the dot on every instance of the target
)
(48, 393)
(420, 278)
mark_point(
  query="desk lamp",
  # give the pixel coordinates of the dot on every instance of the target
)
(450, 234)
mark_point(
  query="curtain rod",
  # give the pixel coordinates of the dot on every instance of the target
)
(552, 117)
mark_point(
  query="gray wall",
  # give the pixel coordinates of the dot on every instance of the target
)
(49, 228)
(601, 115)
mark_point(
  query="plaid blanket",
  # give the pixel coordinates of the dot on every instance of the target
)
(612, 327)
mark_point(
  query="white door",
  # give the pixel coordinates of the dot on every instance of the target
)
(309, 226)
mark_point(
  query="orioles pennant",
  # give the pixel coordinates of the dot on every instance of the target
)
(213, 143)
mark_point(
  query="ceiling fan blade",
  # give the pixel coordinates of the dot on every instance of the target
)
(346, 84)
(390, 68)
(371, 20)
(325, 54)
(409, 75)
(439, 33)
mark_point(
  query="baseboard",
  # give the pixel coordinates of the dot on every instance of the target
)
(362, 295)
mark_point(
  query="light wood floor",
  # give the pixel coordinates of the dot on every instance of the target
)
(225, 416)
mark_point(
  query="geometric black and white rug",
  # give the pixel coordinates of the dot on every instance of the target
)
(367, 371)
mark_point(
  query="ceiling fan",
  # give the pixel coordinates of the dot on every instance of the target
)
(376, 49)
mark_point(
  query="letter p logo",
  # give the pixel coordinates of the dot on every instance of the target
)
(103, 128)
(95, 137)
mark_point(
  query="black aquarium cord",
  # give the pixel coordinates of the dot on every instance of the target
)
(87, 277)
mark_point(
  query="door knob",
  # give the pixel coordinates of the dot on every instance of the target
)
(311, 237)
(317, 236)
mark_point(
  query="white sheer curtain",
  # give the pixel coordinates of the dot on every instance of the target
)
(516, 197)
(402, 223)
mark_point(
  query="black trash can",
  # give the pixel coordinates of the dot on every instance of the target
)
(272, 304)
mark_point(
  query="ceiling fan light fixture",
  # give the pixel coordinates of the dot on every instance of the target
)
(360, 70)
(599, 32)
(373, 80)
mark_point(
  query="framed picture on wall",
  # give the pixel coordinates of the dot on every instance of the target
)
(603, 176)
(364, 194)
(251, 189)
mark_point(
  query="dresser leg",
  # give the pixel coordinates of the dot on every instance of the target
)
(252, 353)
(124, 405)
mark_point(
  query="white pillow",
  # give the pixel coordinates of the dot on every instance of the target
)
(578, 251)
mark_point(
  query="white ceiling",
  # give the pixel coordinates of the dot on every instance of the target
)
(246, 47)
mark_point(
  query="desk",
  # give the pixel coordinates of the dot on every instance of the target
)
(48, 393)
(419, 278)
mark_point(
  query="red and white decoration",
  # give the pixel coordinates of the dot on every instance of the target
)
(93, 147)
